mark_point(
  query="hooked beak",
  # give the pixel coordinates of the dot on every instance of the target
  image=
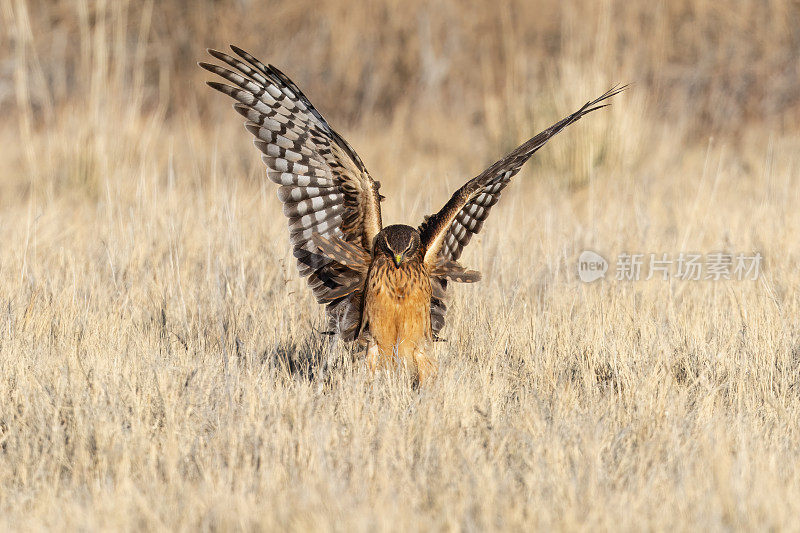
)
(398, 258)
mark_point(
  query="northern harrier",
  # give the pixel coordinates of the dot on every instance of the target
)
(382, 286)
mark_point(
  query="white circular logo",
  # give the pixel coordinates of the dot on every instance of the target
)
(591, 266)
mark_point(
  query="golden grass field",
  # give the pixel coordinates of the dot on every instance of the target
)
(160, 361)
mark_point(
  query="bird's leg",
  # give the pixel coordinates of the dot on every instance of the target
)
(373, 355)
(413, 355)
(426, 366)
(405, 353)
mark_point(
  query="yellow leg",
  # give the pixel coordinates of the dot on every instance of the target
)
(373, 356)
(426, 367)
(414, 356)
(404, 353)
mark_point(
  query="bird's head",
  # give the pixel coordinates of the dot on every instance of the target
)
(399, 243)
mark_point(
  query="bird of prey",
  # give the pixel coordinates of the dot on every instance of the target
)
(382, 286)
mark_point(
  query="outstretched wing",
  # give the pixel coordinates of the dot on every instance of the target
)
(324, 186)
(445, 234)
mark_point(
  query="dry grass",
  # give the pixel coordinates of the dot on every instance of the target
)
(159, 361)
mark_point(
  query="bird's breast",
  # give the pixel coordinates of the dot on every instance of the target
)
(408, 281)
(398, 304)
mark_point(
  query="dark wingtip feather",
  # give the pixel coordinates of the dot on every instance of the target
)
(244, 110)
(243, 54)
(221, 87)
(252, 128)
(613, 91)
(216, 53)
(591, 105)
(595, 108)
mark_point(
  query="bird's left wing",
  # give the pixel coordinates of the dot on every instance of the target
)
(446, 233)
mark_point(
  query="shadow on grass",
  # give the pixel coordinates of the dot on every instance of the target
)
(310, 358)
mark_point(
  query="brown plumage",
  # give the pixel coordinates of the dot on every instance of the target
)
(382, 286)
(396, 317)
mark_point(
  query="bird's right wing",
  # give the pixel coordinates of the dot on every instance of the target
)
(324, 186)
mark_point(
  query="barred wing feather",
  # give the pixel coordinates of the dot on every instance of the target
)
(446, 233)
(323, 184)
